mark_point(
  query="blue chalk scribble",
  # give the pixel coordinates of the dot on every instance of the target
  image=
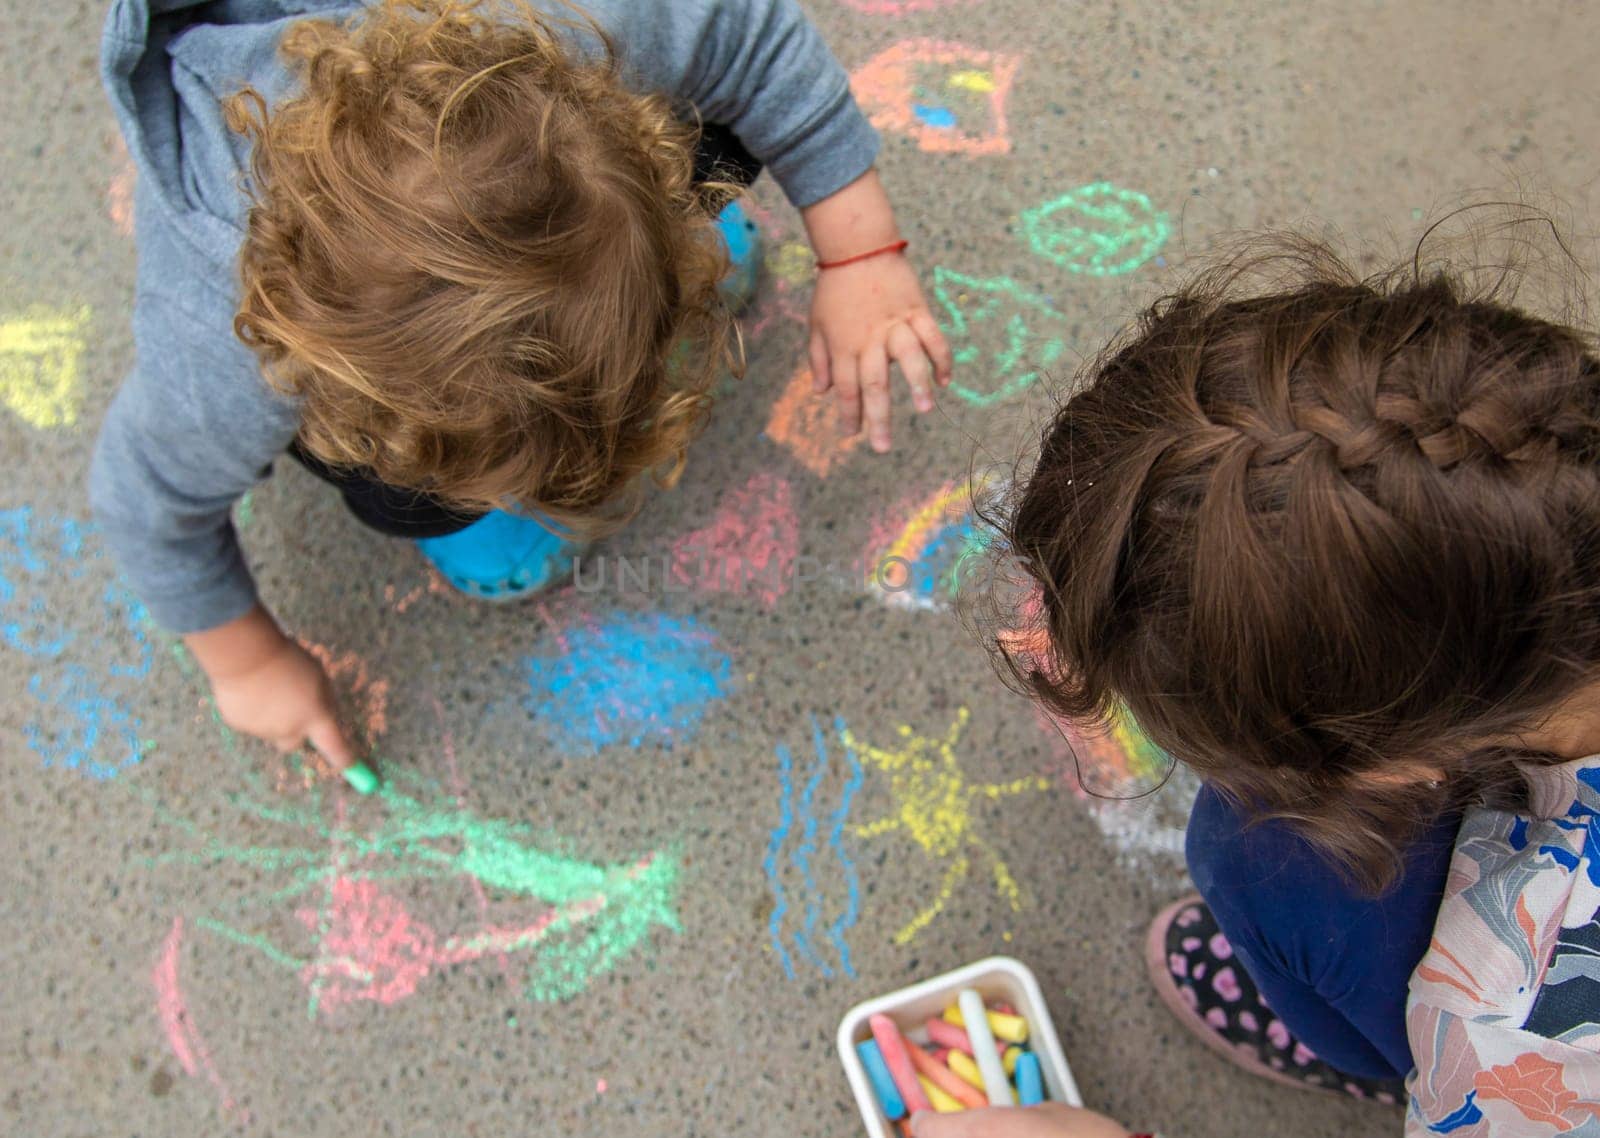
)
(780, 903)
(941, 117)
(631, 679)
(801, 859)
(25, 621)
(98, 737)
(81, 726)
(846, 919)
(952, 553)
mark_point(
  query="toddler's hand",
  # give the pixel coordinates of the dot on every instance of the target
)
(1048, 1120)
(287, 701)
(863, 316)
(267, 686)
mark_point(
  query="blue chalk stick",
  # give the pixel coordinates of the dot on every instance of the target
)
(1030, 1080)
(882, 1085)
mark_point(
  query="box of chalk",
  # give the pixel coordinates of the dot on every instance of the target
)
(977, 1036)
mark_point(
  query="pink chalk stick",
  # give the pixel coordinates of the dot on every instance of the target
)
(949, 1035)
(898, 1059)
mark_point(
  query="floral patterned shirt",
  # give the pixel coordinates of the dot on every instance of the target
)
(1504, 1010)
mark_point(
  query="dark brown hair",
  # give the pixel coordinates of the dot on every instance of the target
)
(1310, 536)
(479, 260)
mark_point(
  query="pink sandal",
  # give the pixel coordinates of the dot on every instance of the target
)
(1197, 976)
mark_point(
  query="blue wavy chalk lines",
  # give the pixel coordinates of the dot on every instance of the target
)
(801, 859)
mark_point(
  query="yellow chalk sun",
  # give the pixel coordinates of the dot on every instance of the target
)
(933, 807)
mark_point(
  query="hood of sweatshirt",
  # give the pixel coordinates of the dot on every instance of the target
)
(167, 65)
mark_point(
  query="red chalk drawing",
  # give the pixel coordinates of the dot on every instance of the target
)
(350, 670)
(119, 192)
(356, 880)
(176, 1021)
(808, 426)
(900, 7)
(750, 545)
(374, 949)
(433, 587)
(950, 98)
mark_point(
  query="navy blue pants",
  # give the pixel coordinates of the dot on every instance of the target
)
(1332, 963)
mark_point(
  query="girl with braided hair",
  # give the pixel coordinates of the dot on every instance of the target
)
(1335, 545)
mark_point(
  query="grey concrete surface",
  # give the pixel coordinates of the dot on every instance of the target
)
(560, 918)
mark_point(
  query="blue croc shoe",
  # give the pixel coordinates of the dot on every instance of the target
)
(502, 557)
(743, 239)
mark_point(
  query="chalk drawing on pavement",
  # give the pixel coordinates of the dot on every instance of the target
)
(1001, 334)
(1099, 230)
(119, 191)
(626, 680)
(41, 365)
(947, 97)
(805, 848)
(749, 547)
(1136, 794)
(178, 1023)
(575, 919)
(349, 672)
(808, 426)
(1138, 797)
(921, 558)
(76, 715)
(935, 806)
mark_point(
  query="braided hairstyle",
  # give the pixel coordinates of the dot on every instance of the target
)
(1315, 539)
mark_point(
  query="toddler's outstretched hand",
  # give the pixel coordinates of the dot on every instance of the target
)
(1049, 1120)
(869, 313)
(268, 686)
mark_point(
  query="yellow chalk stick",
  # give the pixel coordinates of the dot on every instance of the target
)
(1012, 1029)
(1009, 1059)
(942, 1102)
(961, 1063)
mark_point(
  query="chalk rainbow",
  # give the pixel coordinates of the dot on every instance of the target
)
(922, 561)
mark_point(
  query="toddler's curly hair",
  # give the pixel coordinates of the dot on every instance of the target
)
(480, 262)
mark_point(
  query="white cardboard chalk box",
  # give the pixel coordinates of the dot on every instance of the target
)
(997, 978)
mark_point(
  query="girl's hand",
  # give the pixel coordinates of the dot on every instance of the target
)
(1048, 1120)
(870, 313)
(267, 686)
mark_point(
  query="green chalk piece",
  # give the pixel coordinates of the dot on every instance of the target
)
(362, 777)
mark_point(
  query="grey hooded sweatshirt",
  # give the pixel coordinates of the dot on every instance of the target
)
(194, 425)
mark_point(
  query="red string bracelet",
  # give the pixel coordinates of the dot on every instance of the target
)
(897, 247)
